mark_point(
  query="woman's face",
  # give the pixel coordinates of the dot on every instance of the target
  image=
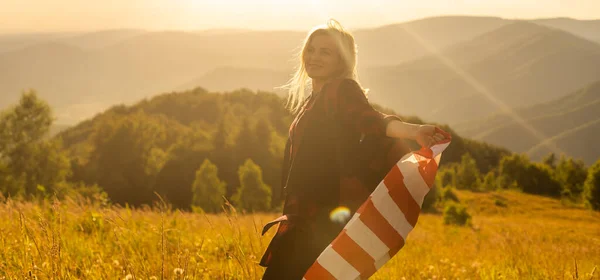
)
(321, 58)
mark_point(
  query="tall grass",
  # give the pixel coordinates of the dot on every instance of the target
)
(528, 238)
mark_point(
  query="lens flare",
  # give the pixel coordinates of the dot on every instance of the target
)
(340, 215)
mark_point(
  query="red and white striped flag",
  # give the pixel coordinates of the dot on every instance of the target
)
(378, 229)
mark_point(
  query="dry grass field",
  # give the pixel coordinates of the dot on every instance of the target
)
(512, 236)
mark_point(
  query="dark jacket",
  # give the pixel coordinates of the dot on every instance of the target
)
(336, 154)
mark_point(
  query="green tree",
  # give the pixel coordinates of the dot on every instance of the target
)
(28, 122)
(550, 160)
(30, 163)
(591, 192)
(223, 154)
(208, 191)
(253, 194)
(126, 161)
(179, 171)
(246, 143)
(446, 177)
(264, 158)
(571, 175)
(513, 170)
(490, 181)
(535, 178)
(467, 174)
(541, 181)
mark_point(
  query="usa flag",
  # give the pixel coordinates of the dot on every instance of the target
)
(378, 229)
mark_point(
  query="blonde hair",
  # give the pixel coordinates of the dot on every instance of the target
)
(299, 83)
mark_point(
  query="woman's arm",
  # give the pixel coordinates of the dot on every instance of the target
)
(399, 129)
(424, 134)
(353, 111)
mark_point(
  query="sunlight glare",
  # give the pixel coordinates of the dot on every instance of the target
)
(479, 87)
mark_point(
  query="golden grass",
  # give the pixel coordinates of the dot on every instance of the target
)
(531, 238)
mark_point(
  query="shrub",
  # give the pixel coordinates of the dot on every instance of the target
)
(456, 214)
(591, 189)
(446, 194)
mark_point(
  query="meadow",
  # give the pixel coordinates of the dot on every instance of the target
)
(512, 236)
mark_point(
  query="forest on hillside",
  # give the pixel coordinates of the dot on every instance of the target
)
(196, 148)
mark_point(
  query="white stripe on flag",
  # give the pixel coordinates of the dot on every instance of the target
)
(439, 148)
(354, 218)
(413, 180)
(437, 159)
(336, 265)
(366, 239)
(390, 211)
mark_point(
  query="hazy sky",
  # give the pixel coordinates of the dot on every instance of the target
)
(87, 15)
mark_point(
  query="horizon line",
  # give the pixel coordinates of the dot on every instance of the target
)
(66, 32)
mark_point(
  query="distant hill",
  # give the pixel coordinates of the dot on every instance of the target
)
(83, 40)
(137, 67)
(56, 129)
(589, 29)
(572, 123)
(230, 78)
(96, 70)
(100, 39)
(517, 64)
(386, 45)
(17, 41)
(222, 31)
(397, 43)
(46, 67)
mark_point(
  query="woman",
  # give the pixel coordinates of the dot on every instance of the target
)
(338, 149)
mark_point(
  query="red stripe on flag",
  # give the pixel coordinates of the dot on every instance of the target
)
(354, 254)
(318, 272)
(394, 251)
(394, 181)
(428, 169)
(379, 225)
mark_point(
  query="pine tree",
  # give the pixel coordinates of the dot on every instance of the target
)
(490, 182)
(550, 160)
(208, 190)
(467, 174)
(591, 192)
(253, 194)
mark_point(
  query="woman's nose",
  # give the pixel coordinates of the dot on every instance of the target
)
(315, 58)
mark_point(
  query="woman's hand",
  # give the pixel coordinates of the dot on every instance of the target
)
(427, 136)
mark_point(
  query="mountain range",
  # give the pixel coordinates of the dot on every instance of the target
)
(517, 64)
(569, 125)
(469, 72)
(82, 73)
